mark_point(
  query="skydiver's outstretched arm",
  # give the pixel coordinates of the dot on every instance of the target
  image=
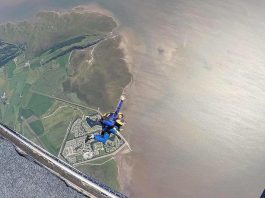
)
(118, 109)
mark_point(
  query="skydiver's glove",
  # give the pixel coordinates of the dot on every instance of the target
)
(122, 97)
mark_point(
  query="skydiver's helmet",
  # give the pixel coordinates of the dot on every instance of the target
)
(120, 116)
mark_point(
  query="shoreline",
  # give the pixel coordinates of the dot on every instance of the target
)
(123, 158)
(124, 170)
(127, 37)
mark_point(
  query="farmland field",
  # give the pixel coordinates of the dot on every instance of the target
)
(39, 104)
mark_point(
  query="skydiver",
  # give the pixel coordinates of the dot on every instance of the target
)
(107, 129)
(111, 124)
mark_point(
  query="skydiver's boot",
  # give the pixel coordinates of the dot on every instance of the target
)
(100, 121)
(89, 137)
(87, 120)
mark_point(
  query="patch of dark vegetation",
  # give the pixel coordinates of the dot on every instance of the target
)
(71, 41)
(75, 47)
(101, 84)
(9, 51)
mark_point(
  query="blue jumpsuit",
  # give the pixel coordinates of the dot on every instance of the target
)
(108, 126)
(106, 135)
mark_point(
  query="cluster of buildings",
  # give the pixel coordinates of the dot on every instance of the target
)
(77, 150)
(114, 144)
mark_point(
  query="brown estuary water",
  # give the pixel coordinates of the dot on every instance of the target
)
(196, 107)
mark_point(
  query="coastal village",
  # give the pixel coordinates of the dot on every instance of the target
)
(76, 150)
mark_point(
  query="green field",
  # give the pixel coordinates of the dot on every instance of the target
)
(37, 127)
(10, 69)
(39, 104)
(26, 131)
(50, 80)
(53, 138)
(106, 173)
(26, 113)
(56, 124)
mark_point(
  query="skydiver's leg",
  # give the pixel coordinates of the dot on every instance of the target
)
(103, 138)
(92, 136)
(88, 137)
(113, 130)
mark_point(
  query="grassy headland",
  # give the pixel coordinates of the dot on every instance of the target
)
(99, 83)
(49, 28)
